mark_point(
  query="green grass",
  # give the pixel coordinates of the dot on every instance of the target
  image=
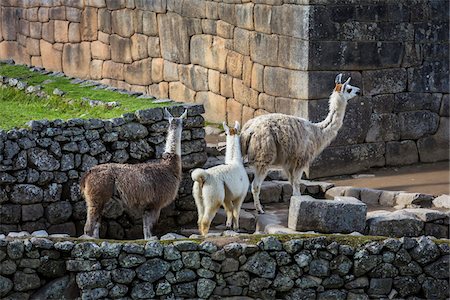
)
(17, 107)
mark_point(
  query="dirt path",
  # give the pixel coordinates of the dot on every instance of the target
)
(432, 178)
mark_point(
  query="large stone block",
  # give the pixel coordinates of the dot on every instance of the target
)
(113, 70)
(341, 215)
(293, 54)
(215, 106)
(10, 23)
(384, 81)
(33, 46)
(241, 41)
(194, 9)
(234, 64)
(48, 31)
(401, 153)
(174, 38)
(297, 16)
(281, 82)
(35, 30)
(74, 33)
(347, 159)
(394, 224)
(245, 95)
(260, 45)
(417, 124)
(234, 111)
(343, 55)
(354, 129)
(262, 16)
(76, 59)
(120, 49)
(417, 101)
(51, 58)
(430, 77)
(158, 6)
(139, 72)
(104, 20)
(179, 92)
(139, 44)
(445, 110)
(122, 22)
(100, 50)
(244, 15)
(170, 71)
(208, 52)
(154, 49)
(435, 147)
(194, 77)
(383, 127)
(157, 69)
(89, 24)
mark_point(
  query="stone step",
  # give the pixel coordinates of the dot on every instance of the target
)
(247, 220)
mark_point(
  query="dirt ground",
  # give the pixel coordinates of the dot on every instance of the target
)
(431, 178)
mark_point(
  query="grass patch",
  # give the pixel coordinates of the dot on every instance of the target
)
(19, 107)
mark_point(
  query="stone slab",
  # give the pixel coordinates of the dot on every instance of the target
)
(341, 215)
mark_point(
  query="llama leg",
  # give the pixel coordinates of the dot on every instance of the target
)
(92, 226)
(197, 193)
(209, 214)
(296, 181)
(228, 206)
(236, 212)
(149, 219)
(260, 174)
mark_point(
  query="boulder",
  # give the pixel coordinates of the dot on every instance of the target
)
(341, 215)
(394, 224)
(443, 201)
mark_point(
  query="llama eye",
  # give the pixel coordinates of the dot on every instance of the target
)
(349, 90)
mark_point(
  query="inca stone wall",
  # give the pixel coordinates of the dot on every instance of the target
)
(312, 268)
(41, 168)
(245, 58)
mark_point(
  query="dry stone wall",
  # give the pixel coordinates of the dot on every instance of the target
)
(241, 59)
(302, 268)
(41, 168)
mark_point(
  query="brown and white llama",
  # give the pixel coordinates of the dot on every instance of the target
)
(292, 142)
(145, 187)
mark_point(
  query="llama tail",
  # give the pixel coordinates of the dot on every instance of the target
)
(83, 182)
(246, 137)
(200, 176)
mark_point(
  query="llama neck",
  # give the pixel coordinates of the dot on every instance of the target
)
(173, 142)
(233, 152)
(333, 122)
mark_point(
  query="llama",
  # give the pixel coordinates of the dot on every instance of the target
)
(225, 185)
(146, 187)
(292, 142)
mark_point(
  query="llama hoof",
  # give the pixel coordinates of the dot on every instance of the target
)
(261, 212)
(228, 228)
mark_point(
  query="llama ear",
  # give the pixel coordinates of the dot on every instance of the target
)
(184, 115)
(237, 126)
(226, 128)
(167, 115)
(338, 79)
(348, 80)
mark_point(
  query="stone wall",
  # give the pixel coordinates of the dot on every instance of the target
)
(41, 168)
(245, 58)
(302, 268)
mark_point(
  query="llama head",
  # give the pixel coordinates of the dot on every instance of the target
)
(175, 124)
(345, 90)
(232, 131)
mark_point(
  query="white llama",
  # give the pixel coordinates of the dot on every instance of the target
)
(292, 142)
(225, 185)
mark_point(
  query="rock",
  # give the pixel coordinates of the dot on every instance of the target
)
(185, 290)
(55, 289)
(142, 291)
(191, 260)
(439, 269)
(10, 213)
(443, 201)
(86, 250)
(247, 221)
(26, 194)
(172, 236)
(15, 249)
(270, 243)
(406, 285)
(435, 288)
(133, 131)
(307, 213)
(40, 233)
(152, 270)
(163, 288)
(26, 282)
(417, 124)
(122, 275)
(153, 249)
(42, 160)
(394, 224)
(260, 264)
(185, 275)
(64, 246)
(93, 279)
(401, 153)
(319, 268)
(364, 262)
(205, 287)
(58, 212)
(425, 252)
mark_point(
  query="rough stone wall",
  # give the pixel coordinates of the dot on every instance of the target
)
(245, 58)
(41, 168)
(314, 268)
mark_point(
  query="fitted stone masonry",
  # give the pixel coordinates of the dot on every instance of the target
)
(241, 59)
